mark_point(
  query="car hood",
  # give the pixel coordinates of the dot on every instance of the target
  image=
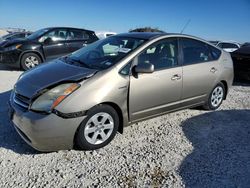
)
(6, 43)
(36, 80)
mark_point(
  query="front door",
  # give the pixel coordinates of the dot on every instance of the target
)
(54, 44)
(160, 91)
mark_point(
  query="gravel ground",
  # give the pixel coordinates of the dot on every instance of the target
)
(189, 148)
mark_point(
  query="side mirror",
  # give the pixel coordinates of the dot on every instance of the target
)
(144, 68)
(48, 40)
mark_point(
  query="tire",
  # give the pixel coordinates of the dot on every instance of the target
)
(216, 97)
(30, 60)
(91, 133)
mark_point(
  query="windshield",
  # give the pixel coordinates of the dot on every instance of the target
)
(37, 34)
(105, 53)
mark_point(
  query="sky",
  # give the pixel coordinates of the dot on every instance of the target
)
(209, 19)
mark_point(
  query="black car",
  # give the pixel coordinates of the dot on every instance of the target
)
(44, 45)
(241, 59)
(245, 44)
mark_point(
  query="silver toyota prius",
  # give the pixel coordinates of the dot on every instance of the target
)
(82, 100)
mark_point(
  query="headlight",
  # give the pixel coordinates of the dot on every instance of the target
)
(14, 47)
(50, 99)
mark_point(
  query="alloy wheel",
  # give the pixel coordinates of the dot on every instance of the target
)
(217, 96)
(99, 128)
(31, 62)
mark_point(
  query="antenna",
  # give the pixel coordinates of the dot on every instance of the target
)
(185, 26)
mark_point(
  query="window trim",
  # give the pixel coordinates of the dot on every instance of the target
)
(134, 60)
(210, 47)
(51, 30)
(130, 68)
(82, 30)
(207, 46)
(155, 43)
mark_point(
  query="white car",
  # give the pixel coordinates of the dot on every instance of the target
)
(104, 34)
(229, 46)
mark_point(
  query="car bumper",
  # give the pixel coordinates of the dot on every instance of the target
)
(44, 132)
(10, 57)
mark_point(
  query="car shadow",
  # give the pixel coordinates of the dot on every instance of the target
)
(241, 83)
(9, 138)
(8, 68)
(221, 150)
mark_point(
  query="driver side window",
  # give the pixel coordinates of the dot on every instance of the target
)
(55, 35)
(162, 55)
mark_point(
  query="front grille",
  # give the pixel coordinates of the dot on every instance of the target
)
(21, 100)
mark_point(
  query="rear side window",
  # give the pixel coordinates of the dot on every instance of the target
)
(75, 34)
(215, 53)
(194, 51)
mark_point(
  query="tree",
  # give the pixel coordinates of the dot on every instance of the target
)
(146, 29)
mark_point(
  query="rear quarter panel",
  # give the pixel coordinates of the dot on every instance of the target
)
(227, 69)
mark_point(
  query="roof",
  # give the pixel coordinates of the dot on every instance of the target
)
(67, 28)
(152, 35)
(105, 32)
(142, 35)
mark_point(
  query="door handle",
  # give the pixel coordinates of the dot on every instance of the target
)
(176, 77)
(213, 70)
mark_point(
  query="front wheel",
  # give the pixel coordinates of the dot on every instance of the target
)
(30, 60)
(216, 97)
(98, 129)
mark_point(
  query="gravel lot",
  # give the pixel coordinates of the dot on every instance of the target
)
(189, 148)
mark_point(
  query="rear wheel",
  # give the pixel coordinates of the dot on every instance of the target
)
(30, 60)
(216, 97)
(98, 129)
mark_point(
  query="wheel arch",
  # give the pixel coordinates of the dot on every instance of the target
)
(31, 51)
(116, 108)
(119, 112)
(226, 88)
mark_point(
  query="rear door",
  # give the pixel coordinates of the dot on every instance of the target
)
(77, 38)
(54, 43)
(160, 91)
(200, 70)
